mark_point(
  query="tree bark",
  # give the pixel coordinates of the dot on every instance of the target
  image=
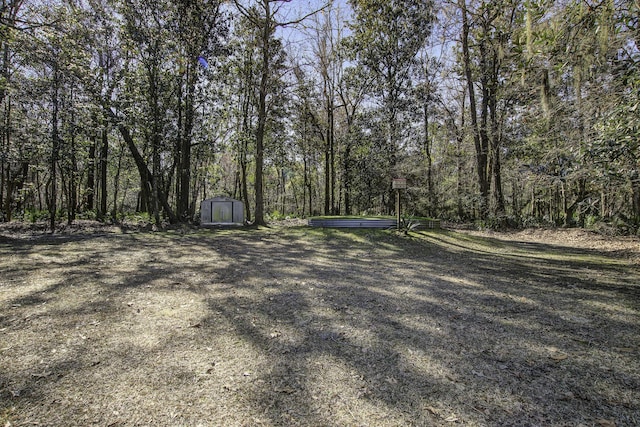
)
(72, 202)
(91, 170)
(5, 165)
(186, 131)
(104, 154)
(495, 141)
(427, 155)
(244, 189)
(635, 202)
(243, 148)
(267, 29)
(481, 152)
(332, 159)
(116, 184)
(55, 148)
(327, 172)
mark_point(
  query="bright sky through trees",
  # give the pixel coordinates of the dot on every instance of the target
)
(297, 37)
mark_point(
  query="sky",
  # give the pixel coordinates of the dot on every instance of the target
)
(297, 37)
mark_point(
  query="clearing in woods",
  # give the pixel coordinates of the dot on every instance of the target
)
(292, 326)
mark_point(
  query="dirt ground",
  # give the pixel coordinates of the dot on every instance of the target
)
(293, 326)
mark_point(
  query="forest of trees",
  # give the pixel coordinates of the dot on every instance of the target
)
(507, 113)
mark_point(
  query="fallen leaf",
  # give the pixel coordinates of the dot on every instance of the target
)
(432, 410)
(451, 419)
(606, 423)
(559, 356)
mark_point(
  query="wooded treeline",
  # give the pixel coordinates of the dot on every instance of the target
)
(505, 112)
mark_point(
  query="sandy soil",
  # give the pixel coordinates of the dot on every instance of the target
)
(292, 326)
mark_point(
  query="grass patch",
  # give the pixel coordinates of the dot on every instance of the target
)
(412, 218)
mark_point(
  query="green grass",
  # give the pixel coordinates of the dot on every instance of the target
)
(412, 218)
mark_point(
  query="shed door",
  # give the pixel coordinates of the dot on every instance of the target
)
(221, 211)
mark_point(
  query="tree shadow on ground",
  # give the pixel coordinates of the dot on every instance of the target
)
(473, 358)
(325, 327)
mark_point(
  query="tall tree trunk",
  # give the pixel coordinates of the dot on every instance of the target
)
(283, 193)
(8, 16)
(91, 170)
(185, 161)
(332, 160)
(327, 176)
(427, 156)
(185, 126)
(485, 141)
(244, 188)
(245, 130)
(179, 144)
(481, 153)
(498, 194)
(72, 202)
(310, 191)
(459, 162)
(262, 112)
(392, 147)
(346, 177)
(3, 183)
(104, 154)
(116, 184)
(495, 141)
(153, 74)
(5, 165)
(496, 128)
(55, 149)
(635, 198)
(346, 160)
(71, 164)
(23, 175)
(305, 177)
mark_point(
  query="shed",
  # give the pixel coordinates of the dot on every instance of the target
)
(221, 211)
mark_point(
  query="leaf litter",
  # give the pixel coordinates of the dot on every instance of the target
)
(291, 326)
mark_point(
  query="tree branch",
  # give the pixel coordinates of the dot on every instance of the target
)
(299, 20)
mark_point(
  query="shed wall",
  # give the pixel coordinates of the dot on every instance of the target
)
(221, 210)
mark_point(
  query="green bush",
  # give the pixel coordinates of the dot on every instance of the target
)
(590, 221)
(91, 215)
(34, 216)
(138, 218)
